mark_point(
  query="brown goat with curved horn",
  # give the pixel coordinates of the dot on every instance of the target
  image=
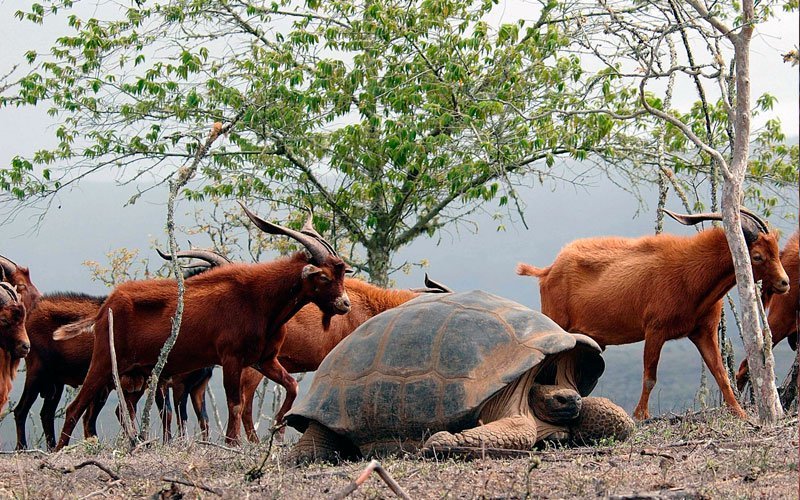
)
(20, 277)
(232, 317)
(655, 288)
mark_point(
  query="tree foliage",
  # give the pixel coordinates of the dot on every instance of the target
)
(654, 47)
(394, 119)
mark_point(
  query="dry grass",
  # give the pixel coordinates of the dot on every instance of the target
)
(706, 455)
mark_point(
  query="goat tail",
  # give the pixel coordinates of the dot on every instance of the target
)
(529, 270)
(84, 326)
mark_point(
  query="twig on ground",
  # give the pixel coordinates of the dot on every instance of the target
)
(216, 445)
(144, 444)
(68, 470)
(375, 466)
(650, 452)
(257, 472)
(337, 473)
(193, 484)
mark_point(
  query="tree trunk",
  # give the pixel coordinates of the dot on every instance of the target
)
(759, 352)
(378, 260)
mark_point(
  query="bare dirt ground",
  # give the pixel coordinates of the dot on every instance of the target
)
(706, 455)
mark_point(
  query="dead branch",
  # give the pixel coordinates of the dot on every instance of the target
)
(193, 484)
(375, 466)
(68, 470)
(124, 414)
(650, 452)
(183, 175)
(215, 445)
(256, 472)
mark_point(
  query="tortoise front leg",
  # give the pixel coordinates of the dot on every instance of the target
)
(517, 432)
(320, 444)
(600, 419)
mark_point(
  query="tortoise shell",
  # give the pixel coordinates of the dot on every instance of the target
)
(429, 365)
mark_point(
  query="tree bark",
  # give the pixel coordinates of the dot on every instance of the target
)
(759, 352)
(378, 261)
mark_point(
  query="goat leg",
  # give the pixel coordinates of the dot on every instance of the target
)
(231, 380)
(250, 380)
(273, 370)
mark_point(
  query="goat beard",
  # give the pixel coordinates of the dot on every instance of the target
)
(326, 321)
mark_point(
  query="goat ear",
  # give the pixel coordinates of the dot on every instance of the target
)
(310, 270)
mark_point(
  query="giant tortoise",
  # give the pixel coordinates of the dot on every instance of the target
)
(462, 370)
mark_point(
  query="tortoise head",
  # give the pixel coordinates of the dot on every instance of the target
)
(563, 379)
(554, 404)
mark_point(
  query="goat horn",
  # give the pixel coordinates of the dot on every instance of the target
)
(319, 251)
(692, 219)
(308, 228)
(10, 290)
(7, 266)
(212, 258)
(433, 284)
(758, 220)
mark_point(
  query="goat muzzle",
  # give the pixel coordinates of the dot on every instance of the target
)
(22, 349)
(342, 304)
(781, 286)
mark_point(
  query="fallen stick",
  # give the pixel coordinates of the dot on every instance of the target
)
(216, 445)
(655, 453)
(68, 470)
(375, 466)
(192, 484)
(257, 472)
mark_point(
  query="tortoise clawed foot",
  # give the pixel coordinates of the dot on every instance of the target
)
(441, 439)
(601, 419)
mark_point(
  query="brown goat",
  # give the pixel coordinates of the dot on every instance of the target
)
(52, 364)
(232, 316)
(306, 345)
(20, 277)
(784, 310)
(655, 288)
(14, 343)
